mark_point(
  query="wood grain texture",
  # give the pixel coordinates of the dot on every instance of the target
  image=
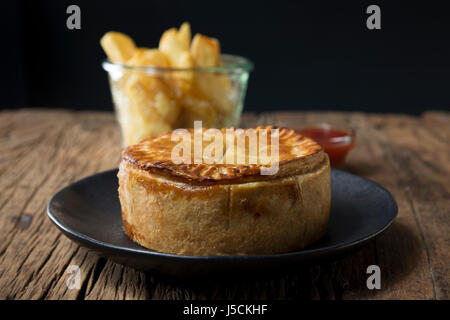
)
(43, 150)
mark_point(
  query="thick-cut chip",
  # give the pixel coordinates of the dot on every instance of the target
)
(172, 46)
(169, 44)
(196, 106)
(205, 51)
(118, 46)
(175, 45)
(134, 119)
(141, 128)
(215, 86)
(184, 35)
(167, 107)
(152, 96)
(185, 61)
(136, 128)
(148, 57)
(218, 88)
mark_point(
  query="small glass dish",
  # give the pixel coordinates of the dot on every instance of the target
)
(336, 141)
(150, 101)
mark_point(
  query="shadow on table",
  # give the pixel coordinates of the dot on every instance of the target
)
(363, 169)
(396, 252)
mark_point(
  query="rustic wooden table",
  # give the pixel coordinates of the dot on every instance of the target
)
(42, 151)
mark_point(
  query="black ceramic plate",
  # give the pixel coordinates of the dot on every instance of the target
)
(88, 211)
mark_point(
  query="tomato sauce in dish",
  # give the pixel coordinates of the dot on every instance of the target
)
(335, 142)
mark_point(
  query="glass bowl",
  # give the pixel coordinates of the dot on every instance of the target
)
(150, 101)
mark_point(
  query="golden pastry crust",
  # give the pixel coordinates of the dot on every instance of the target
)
(297, 154)
(182, 211)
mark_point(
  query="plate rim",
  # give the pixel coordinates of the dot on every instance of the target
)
(302, 253)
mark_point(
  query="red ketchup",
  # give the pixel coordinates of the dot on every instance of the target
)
(336, 142)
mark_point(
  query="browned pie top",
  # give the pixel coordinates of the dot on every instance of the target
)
(297, 154)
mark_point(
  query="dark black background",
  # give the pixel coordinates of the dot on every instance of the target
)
(315, 55)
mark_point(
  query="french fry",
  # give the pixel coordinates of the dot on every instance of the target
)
(136, 127)
(196, 106)
(172, 46)
(148, 57)
(184, 35)
(184, 78)
(218, 88)
(134, 120)
(118, 46)
(175, 45)
(168, 108)
(152, 96)
(205, 51)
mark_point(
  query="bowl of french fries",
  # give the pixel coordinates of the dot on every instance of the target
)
(185, 79)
